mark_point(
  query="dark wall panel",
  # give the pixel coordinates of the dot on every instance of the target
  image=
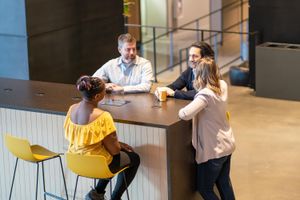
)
(64, 55)
(43, 16)
(95, 9)
(71, 38)
(50, 15)
(275, 21)
(58, 40)
(55, 56)
(99, 42)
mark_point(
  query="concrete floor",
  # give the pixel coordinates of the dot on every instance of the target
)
(266, 162)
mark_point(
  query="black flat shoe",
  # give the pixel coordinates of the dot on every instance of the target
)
(94, 195)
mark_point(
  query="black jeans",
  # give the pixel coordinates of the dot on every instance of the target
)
(116, 164)
(215, 171)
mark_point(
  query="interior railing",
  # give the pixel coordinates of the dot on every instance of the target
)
(168, 47)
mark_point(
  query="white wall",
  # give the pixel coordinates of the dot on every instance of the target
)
(165, 13)
(153, 13)
(192, 9)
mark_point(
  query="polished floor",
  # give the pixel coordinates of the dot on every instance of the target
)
(266, 163)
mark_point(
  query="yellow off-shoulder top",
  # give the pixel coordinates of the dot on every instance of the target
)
(87, 139)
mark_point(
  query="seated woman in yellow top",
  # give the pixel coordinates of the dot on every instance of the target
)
(91, 130)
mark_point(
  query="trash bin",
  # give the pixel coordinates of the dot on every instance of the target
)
(277, 70)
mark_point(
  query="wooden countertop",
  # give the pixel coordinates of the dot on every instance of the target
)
(143, 108)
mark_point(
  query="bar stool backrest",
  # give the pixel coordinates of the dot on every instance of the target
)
(19, 148)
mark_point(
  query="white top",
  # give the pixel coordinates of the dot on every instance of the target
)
(137, 77)
(212, 135)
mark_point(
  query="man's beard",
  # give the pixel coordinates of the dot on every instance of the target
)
(130, 59)
(192, 64)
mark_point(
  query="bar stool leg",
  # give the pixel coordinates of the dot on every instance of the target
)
(37, 180)
(63, 175)
(13, 180)
(75, 187)
(44, 185)
(126, 185)
(110, 187)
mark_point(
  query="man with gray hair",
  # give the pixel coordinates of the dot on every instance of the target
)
(128, 73)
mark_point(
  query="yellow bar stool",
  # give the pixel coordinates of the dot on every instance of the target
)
(91, 166)
(22, 149)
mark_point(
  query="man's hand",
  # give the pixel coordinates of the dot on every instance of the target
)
(170, 92)
(114, 88)
(126, 147)
(109, 87)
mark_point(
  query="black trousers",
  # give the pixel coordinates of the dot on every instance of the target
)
(125, 158)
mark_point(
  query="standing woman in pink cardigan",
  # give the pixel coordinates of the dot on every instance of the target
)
(212, 135)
